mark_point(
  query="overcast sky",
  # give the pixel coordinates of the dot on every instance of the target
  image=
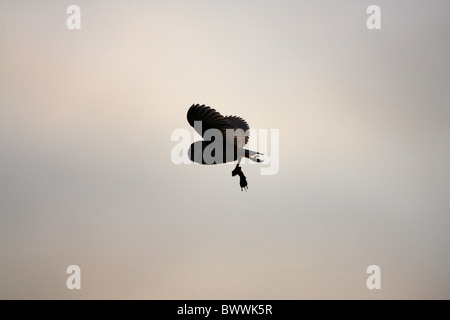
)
(86, 176)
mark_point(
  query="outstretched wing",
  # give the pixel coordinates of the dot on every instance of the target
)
(211, 119)
(242, 135)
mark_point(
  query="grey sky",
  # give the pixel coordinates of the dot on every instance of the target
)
(86, 176)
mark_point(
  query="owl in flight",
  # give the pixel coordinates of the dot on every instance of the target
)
(224, 140)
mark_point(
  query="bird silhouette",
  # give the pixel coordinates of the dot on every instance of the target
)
(233, 131)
